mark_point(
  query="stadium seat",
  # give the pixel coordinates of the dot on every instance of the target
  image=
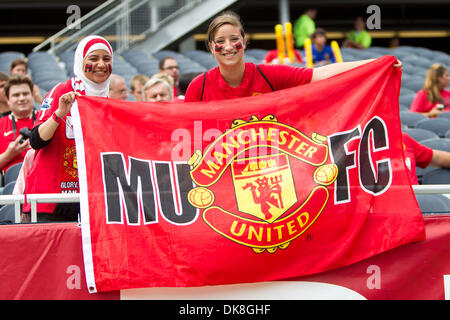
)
(437, 176)
(144, 63)
(445, 115)
(414, 83)
(7, 215)
(258, 54)
(419, 134)
(407, 98)
(433, 203)
(410, 118)
(202, 57)
(7, 57)
(12, 173)
(440, 126)
(9, 188)
(437, 143)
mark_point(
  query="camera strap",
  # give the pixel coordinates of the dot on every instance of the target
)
(14, 126)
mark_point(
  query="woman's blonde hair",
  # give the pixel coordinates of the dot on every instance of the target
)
(431, 84)
(227, 17)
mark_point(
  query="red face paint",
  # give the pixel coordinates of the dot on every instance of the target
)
(238, 45)
(110, 68)
(218, 48)
(88, 67)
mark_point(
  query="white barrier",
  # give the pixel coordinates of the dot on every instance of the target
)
(34, 199)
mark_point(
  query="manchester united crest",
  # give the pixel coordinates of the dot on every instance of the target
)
(261, 204)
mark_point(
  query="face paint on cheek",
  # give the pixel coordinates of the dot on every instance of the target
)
(218, 48)
(238, 45)
(110, 68)
(88, 67)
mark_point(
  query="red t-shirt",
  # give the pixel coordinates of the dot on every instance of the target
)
(273, 54)
(7, 136)
(253, 83)
(421, 103)
(416, 154)
(54, 168)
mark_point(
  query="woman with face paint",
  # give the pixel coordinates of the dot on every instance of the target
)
(54, 168)
(234, 78)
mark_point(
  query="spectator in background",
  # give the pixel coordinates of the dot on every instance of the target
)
(158, 89)
(4, 108)
(136, 84)
(118, 87)
(321, 52)
(358, 38)
(394, 43)
(54, 168)
(304, 27)
(434, 98)
(19, 66)
(273, 58)
(14, 144)
(418, 155)
(170, 66)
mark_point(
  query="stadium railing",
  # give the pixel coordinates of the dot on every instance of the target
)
(34, 199)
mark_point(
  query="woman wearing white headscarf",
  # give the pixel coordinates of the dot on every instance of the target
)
(54, 168)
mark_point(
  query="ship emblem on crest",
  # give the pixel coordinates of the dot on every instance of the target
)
(267, 212)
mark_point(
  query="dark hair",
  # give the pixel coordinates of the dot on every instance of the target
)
(319, 31)
(16, 80)
(3, 76)
(185, 80)
(18, 62)
(163, 61)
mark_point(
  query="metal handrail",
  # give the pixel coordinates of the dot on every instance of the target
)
(52, 39)
(34, 199)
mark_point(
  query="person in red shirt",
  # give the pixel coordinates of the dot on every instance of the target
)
(434, 98)
(418, 155)
(14, 144)
(54, 169)
(273, 58)
(234, 78)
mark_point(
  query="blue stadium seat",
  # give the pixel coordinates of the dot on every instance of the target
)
(7, 215)
(258, 54)
(437, 176)
(445, 115)
(203, 58)
(406, 99)
(12, 173)
(410, 118)
(7, 57)
(440, 126)
(433, 203)
(419, 134)
(437, 143)
(414, 83)
(143, 62)
(9, 188)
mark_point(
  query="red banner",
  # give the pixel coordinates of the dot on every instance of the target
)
(285, 184)
(45, 261)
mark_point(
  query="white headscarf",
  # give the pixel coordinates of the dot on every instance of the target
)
(86, 46)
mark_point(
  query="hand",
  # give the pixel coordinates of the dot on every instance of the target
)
(399, 64)
(16, 147)
(65, 103)
(434, 112)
